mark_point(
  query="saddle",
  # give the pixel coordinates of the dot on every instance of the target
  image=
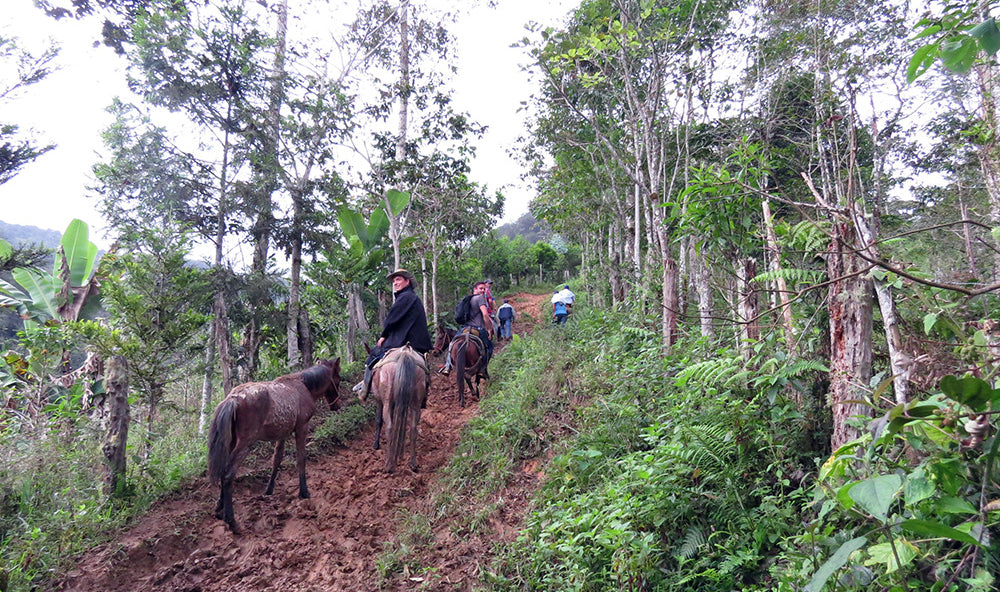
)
(473, 333)
(406, 349)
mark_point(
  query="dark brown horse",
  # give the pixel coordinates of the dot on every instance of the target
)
(399, 382)
(442, 339)
(268, 411)
(467, 360)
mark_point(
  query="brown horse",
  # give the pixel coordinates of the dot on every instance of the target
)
(467, 359)
(268, 411)
(399, 382)
(442, 339)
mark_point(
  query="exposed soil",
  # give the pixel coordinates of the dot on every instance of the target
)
(331, 541)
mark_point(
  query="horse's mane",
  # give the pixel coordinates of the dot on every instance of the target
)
(316, 377)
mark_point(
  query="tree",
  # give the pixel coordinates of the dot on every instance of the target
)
(206, 65)
(17, 149)
(158, 307)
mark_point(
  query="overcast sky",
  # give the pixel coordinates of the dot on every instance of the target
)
(68, 108)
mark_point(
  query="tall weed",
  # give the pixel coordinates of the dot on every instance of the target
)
(664, 484)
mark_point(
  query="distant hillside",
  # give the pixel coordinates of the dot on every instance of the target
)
(532, 230)
(16, 234)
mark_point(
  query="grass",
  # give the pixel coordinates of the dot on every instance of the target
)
(52, 506)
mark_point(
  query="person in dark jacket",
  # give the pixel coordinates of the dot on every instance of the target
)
(406, 323)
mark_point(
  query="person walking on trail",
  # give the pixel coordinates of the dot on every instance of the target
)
(406, 323)
(480, 322)
(506, 315)
(559, 312)
(566, 296)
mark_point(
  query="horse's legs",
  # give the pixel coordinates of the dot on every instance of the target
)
(378, 427)
(226, 500)
(279, 454)
(224, 509)
(300, 460)
(383, 416)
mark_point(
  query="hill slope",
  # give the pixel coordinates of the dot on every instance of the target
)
(329, 542)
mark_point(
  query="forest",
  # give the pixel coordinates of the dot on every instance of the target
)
(782, 221)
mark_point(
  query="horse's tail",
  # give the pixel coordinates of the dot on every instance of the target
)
(221, 440)
(461, 361)
(403, 393)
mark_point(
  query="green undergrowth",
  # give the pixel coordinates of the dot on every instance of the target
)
(648, 483)
(705, 470)
(52, 507)
(655, 485)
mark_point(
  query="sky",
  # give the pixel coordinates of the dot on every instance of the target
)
(68, 107)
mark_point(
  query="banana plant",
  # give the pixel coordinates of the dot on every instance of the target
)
(60, 295)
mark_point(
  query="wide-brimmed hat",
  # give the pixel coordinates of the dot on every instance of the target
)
(401, 273)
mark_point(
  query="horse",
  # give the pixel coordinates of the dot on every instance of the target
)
(268, 411)
(468, 363)
(442, 338)
(400, 382)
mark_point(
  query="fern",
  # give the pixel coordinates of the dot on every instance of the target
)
(693, 539)
(792, 275)
(639, 332)
(807, 237)
(723, 372)
(773, 370)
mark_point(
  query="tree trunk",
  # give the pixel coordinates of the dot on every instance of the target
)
(434, 275)
(850, 310)
(267, 183)
(395, 221)
(222, 342)
(703, 286)
(423, 274)
(773, 251)
(967, 231)
(116, 440)
(206, 381)
(305, 339)
(357, 326)
(670, 301)
(292, 329)
(899, 360)
(220, 328)
(747, 307)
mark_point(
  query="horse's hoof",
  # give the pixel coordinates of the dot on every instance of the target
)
(375, 446)
(235, 528)
(304, 495)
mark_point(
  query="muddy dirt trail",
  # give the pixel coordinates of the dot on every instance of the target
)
(329, 542)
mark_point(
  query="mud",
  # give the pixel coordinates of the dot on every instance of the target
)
(332, 541)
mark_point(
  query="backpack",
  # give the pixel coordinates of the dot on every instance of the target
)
(463, 311)
(506, 312)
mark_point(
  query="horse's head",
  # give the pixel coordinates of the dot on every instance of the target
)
(332, 388)
(442, 338)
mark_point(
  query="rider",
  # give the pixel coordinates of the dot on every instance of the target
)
(405, 323)
(480, 320)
